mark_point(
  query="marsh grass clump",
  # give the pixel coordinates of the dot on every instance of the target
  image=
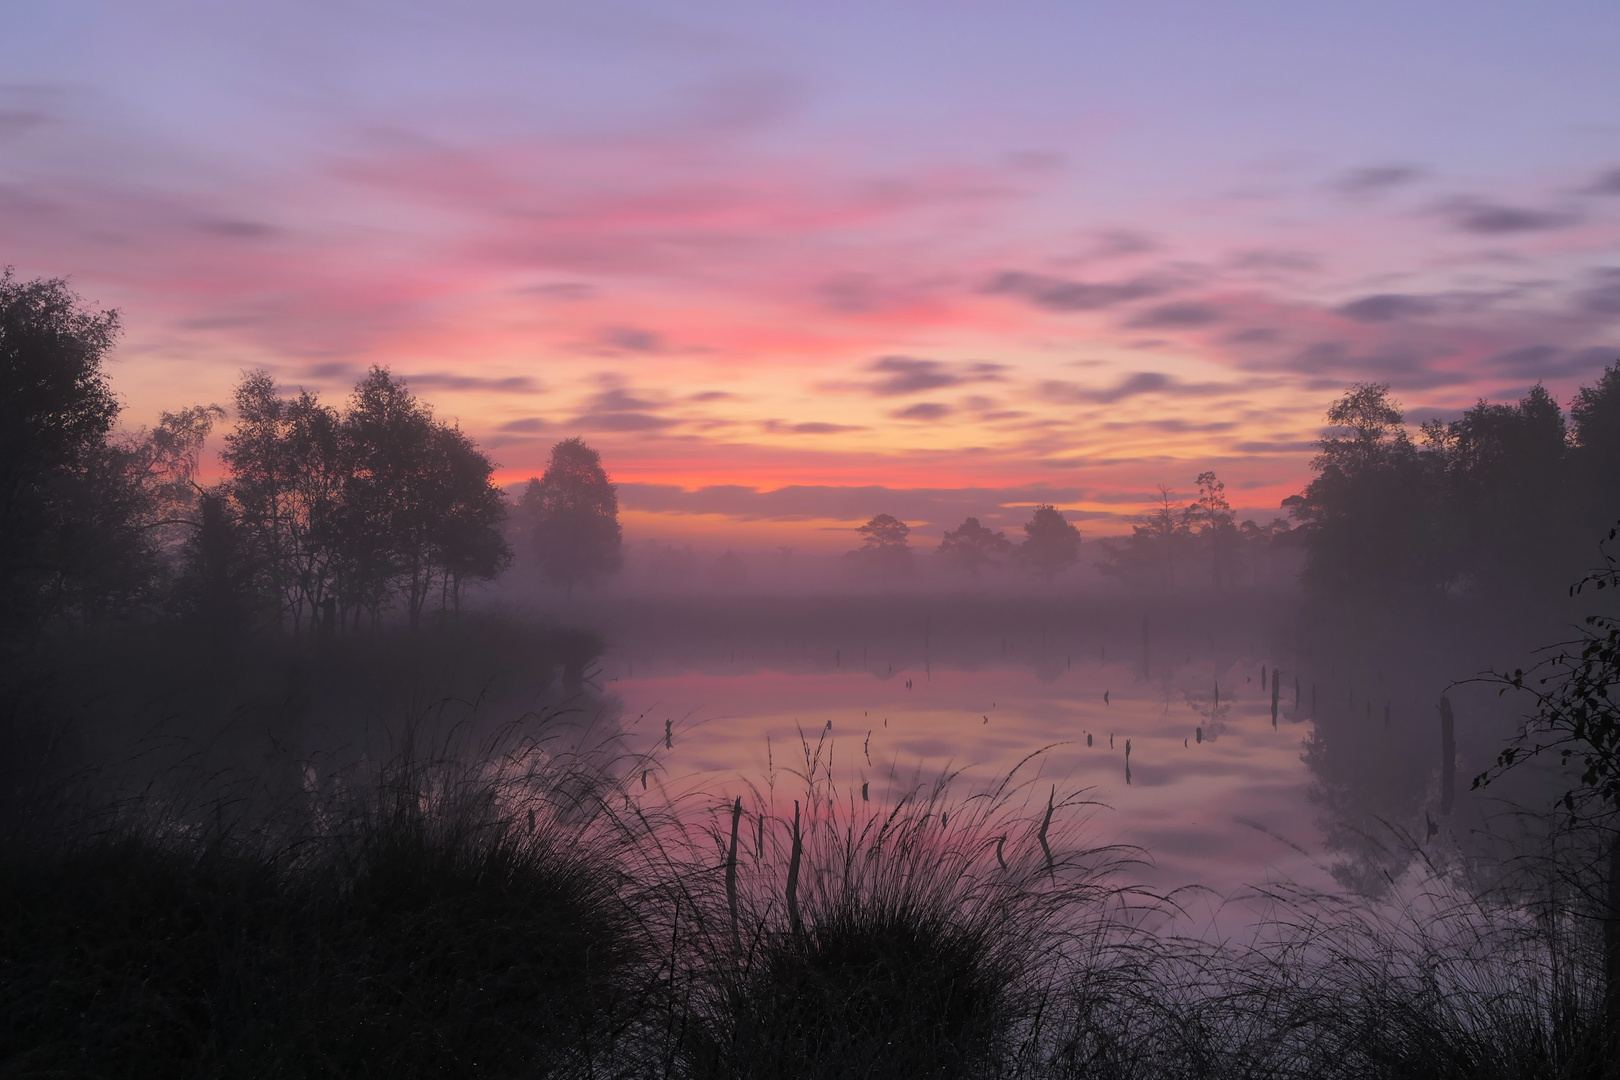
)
(420, 920)
(1439, 977)
(510, 907)
(909, 936)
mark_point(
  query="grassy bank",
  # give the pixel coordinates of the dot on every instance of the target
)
(503, 908)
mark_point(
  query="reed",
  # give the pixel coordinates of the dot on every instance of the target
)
(508, 908)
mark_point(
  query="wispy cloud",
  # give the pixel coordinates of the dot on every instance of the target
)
(1387, 307)
(1181, 316)
(1142, 383)
(1487, 218)
(809, 427)
(1062, 294)
(923, 410)
(1376, 179)
(911, 375)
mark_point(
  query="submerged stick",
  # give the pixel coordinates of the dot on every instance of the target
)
(1276, 688)
(1046, 822)
(731, 873)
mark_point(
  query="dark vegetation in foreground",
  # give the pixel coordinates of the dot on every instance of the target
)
(216, 860)
(529, 915)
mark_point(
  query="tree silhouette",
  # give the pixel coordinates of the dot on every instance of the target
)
(1368, 513)
(971, 547)
(1148, 556)
(56, 411)
(1211, 515)
(573, 513)
(396, 487)
(1051, 544)
(884, 550)
(466, 536)
(1576, 720)
(288, 470)
(1502, 517)
(1595, 418)
(343, 512)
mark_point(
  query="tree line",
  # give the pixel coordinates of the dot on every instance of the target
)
(1050, 546)
(331, 518)
(1175, 545)
(326, 519)
(1504, 503)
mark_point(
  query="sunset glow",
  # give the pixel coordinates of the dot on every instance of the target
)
(788, 267)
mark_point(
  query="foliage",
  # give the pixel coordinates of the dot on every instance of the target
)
(1051, 543)
(1212, 518)
(1159, 541)
(1366, 513)
(971, 547)
(524, 912)
(341, 512)
(426, 921)
(884, 550)
(572, 515)
(1498, 503)
(1502, 471)
(1576, 717)
(56, 412)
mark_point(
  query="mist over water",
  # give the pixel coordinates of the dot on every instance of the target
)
(787, 542)
(1341, 788)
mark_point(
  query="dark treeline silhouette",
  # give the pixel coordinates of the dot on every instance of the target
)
(1177, 546)
(85, 514)
(1503, 504)
(1051, 545)
(331, 516)
(327, 519)
(525, 903)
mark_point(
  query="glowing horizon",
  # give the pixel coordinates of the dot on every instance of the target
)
(789, 268)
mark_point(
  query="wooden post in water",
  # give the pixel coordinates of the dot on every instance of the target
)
(731, 874)
(793, 875)
(1448, 755)
(1276, 688)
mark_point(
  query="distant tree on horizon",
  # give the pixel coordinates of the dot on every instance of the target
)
(885, 549)
(971, 547)
(1149, 555)
(573, 514)
(1051, 543)
(1211, 516)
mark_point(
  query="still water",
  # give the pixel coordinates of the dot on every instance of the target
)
(1187, 765)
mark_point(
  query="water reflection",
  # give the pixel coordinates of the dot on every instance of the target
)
(1191, 803)
(1234, 753)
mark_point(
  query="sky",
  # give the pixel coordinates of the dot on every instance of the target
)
(790, 265)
